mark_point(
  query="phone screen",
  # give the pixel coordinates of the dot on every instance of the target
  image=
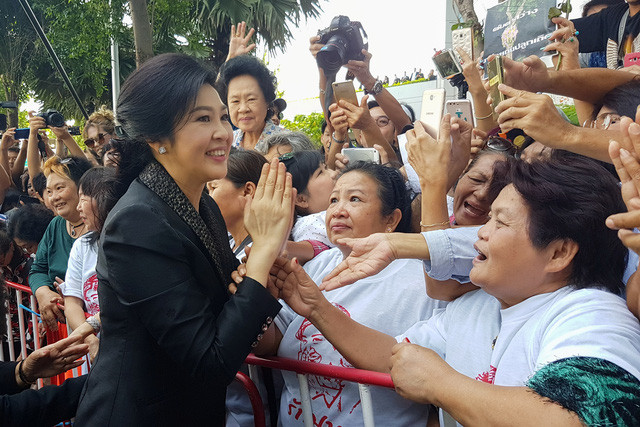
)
(446, 64)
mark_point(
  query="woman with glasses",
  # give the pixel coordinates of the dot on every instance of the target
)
(621, 101)
(374, 125)
(98, 131)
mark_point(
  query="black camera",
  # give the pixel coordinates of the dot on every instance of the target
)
(343, 41)
(52, 118)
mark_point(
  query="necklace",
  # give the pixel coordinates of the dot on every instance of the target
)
(73, 228)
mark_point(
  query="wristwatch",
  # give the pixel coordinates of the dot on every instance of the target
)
(376, 89)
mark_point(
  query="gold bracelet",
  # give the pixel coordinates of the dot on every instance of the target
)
(437, 224)
(485, 117)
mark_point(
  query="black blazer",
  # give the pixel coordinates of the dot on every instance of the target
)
(172, 338)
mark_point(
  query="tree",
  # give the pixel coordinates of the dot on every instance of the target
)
(142, 32)
(468, 13)
(17, 48)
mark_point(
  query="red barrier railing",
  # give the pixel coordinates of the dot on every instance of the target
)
(359, 376)
(301, 368)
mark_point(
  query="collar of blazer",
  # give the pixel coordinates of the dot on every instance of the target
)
(203, 224)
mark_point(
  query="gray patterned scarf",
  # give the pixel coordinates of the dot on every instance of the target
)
(205, 224)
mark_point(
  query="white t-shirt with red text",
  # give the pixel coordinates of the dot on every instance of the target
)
(81, 280)
(479, 339)
(390, 302)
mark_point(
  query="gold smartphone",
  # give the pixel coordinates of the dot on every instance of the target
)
(496, 76)
(346, 91)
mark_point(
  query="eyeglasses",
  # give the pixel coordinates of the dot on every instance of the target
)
(90, 142)
(603, 121)
(382, 121)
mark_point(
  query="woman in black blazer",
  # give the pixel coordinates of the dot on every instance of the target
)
(173, 337)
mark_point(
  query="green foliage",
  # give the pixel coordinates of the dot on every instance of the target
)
(80, 32)
(564, 7)
(311, 125)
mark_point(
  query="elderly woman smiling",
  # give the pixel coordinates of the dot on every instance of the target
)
(546, 338)
(249, 88)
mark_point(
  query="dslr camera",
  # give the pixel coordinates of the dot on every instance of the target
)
(52, 118)
(343, 41)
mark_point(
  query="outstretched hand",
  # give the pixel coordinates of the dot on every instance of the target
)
(531, 74)
(55, 358)
(295, 287)
(369, 256)
(239, 43)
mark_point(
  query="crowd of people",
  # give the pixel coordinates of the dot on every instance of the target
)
(491, 269)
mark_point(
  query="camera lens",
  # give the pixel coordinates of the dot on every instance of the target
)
(332, 55)
(55, 119)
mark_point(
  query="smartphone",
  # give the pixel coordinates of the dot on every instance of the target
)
(495, 73)
(346, 91)
(364, 154)
(432, 107)
(447, 64)
(632, 59)
(462, 38)
(460, 108)
(22, 133)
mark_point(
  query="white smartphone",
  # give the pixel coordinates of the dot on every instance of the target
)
(432, 108)
(364, 154)
(460, 108)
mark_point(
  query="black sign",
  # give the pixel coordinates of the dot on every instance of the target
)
(518, 28)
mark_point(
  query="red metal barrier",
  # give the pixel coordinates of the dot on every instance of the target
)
(362, 377)
(359, 376)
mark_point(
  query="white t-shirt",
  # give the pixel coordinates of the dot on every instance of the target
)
(81, 280)
(507, 346)
(388, 302)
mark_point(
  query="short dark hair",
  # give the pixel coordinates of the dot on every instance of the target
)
(301, 165)
(39, 183)
(5, 240)
(392, 191)
(623, 100)
(244, 166)
(572, 200)
(99, 184)
(29, 222)
(248, 65)
(594, 3)
(14, 149)
(153, 101)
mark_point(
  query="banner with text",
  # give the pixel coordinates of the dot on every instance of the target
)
(518, 28)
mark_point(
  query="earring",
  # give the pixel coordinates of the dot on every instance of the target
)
(389, 230)
(162, 150)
